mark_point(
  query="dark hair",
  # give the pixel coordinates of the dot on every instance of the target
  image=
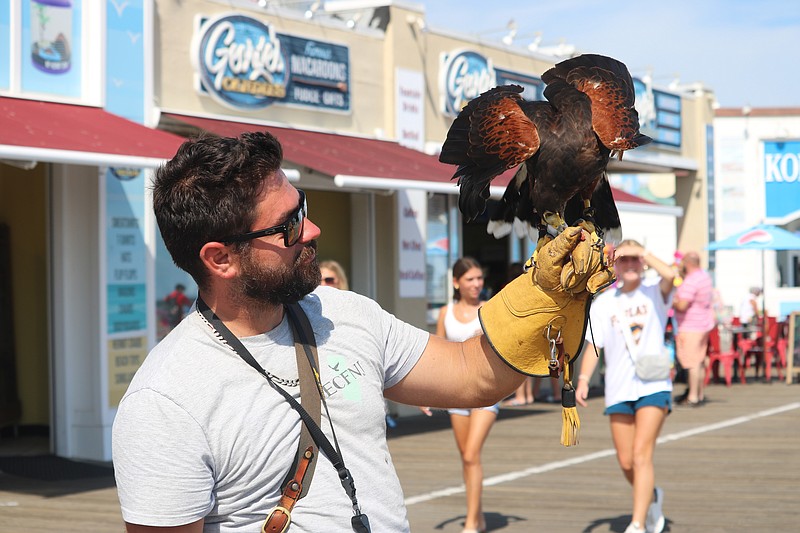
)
(461, 267)
(209, 191)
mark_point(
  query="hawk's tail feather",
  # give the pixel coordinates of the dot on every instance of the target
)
(605, 216)
(515, 210)
(474, 189)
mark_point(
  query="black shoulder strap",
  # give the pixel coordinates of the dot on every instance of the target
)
(302, 328)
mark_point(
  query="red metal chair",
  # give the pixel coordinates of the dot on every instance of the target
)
(743, 345)
(718, 357)
(762, 352)
(781, 345)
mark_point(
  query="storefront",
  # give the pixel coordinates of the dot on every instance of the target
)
(361, 100)
(757, 166)
(75, 250)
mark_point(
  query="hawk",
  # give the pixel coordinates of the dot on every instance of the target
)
(561, 147)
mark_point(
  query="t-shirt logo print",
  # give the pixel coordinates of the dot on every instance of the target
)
(636, 332)
(345, 378)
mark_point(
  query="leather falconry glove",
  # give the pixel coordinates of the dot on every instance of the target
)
(537, 323)
(552, 297)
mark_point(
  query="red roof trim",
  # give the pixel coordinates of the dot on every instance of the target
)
(336, 154)
(56, 126)
(622, 196)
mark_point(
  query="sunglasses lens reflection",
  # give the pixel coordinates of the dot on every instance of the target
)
(294, 228)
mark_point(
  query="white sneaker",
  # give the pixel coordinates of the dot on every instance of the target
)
(635, 527)
(655, 516)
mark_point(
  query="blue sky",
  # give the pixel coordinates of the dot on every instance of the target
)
(746, 51)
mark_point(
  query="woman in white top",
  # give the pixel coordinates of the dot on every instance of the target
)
(636, 408)
(748, 309)
(459, 321)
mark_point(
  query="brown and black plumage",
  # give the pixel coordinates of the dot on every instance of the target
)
(562, 147)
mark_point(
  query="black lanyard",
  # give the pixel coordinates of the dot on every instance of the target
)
(297, 318)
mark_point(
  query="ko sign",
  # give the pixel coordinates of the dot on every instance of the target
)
(782, 177)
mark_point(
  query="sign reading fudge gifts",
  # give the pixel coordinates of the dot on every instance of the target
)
(244, 64)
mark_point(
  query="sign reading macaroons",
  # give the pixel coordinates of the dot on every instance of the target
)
(245, 64)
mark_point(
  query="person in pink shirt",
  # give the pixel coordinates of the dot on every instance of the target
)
(694, 312)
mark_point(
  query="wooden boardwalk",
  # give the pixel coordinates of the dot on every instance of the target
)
(730, 466)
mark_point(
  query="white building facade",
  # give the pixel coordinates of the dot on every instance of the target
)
(757, 180)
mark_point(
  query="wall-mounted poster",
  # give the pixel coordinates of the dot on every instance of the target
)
(51, 47)
(5, 45)
(412, 215)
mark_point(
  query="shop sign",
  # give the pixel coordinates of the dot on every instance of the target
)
(412, 214)
(782, 178)
(464, 74)
(659, 114)
(410, 109)
(533, 86)
(245, 64)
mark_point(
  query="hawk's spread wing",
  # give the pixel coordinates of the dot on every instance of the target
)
(609, 86)
(491, 135)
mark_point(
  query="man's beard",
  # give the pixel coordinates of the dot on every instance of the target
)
(280, 285)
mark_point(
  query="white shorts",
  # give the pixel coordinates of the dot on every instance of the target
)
(465, 412)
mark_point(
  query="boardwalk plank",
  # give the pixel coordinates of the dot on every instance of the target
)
(740, 477)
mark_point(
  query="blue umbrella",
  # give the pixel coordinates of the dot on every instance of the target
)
(761, 237)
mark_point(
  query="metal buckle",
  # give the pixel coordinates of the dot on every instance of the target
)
(287, 516)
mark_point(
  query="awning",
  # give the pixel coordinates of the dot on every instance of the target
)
(352, 161)
(364, 163)
(32, 130)
(643, 160)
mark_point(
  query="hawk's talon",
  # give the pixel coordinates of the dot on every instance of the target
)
(589, 225)
(554, 222)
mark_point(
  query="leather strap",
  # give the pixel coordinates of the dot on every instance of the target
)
(301, 328)
(280, 517)
(305, 346)
(295, 487)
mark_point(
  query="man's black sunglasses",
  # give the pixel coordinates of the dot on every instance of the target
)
(292, 229)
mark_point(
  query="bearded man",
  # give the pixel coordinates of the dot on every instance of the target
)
(202, 442)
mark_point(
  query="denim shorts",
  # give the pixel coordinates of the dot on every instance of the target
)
(659, 399)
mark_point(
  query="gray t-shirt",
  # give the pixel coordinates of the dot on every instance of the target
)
(201, 434)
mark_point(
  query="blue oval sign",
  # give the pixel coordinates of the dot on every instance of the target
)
(465, 75)
(241, 62)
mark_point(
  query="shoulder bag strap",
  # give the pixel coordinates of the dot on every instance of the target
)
(305, 346)
(359, 521)
(625, 326)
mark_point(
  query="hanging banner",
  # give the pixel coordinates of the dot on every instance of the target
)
(412, 214)
(126, 282)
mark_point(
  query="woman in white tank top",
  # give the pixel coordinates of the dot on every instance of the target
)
(459, 321)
